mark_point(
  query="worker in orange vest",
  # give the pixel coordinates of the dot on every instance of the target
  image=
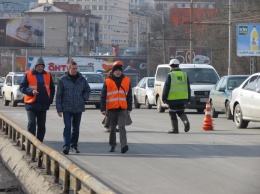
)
(39, 90)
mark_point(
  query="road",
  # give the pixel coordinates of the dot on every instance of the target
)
(220, 161)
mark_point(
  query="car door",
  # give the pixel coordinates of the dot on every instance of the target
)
(8, 88)
(255, 101)
(142, 91)
(246, 95)
(138, 89)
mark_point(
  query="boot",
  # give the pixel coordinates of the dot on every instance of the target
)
(186, 122)
(175, 128)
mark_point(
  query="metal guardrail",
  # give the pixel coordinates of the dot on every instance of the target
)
(55, 164)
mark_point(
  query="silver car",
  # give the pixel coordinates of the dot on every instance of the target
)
(143, 93)
(10, 90)
(245, 101)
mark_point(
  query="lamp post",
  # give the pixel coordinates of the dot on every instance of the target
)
(163, 23)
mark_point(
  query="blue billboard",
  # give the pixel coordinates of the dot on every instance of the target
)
(248, 39)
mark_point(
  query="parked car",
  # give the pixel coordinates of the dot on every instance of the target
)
(95, 81)
(2, 81)
(10, 90)
(143, 93)
(245, 101)
(219, 96)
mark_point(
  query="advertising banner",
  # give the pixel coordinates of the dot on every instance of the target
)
(248, 39)
(17, 33)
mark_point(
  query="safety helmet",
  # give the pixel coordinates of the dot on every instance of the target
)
(174, 62)
(118, 63)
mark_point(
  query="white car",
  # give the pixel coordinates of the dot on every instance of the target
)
(10, 91)
(245, 101)
(143, 93)
(2, 81)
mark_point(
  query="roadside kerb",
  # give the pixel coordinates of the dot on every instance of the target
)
(55, 164)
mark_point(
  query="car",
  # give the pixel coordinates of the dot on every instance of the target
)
(10, 91)
(219, 96)
(143, 93)
(245, 100)
(2, 81)
(96, 82)
(202, 78)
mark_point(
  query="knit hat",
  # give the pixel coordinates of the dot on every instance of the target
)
(116, 67)
(39, 61)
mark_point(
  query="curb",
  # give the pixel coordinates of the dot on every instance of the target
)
(28, 174)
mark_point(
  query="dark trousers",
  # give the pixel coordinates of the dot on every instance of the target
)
(39, 118)
(175, 110)
(117, 118)
(71, 120)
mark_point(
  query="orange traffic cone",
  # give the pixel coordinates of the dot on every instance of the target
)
(208, 125)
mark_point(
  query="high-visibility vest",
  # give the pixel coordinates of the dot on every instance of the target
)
(116, 98)
(33, 85)
(179, 86)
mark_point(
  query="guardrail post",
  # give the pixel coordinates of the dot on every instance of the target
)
(13, 134)
(48, 165)
(10, 132)
(2, 124)
(66, 181)
(56, 172)
(77, 185)
(40, 159)
(28, 147)
(33, 153)
(22, 142)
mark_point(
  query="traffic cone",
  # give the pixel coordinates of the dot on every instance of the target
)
(208, 125)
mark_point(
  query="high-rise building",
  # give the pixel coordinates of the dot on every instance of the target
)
(16, 6)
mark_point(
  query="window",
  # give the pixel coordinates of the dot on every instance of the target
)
(251, 84)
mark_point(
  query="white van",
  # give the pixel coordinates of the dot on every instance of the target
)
(202, 79)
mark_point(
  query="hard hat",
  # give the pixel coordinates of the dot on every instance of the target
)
(118, 63)
(174, 62)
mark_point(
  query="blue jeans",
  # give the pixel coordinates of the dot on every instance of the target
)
(41, 120)
(71, 120)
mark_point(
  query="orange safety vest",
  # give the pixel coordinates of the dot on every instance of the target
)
(116, 98)
(33, 85)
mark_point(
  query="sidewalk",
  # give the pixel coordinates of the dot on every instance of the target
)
(8, 182)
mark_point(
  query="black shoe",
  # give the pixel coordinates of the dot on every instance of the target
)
(173, 131)
(66, 150)
(75, 150)
(124, 149)
(112, 149)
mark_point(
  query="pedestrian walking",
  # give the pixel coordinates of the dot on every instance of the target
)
(116, 103)
(176, 93)
(39, 90)
(72, 92)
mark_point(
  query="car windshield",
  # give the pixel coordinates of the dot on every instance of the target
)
(94, 78)
(17, 80)
(151, 82)
(201, 75)
(235, 82)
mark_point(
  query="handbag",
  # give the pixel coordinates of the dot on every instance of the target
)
(128, 119)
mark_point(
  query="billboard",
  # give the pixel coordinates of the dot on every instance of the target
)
(248, 39)
(20, 33)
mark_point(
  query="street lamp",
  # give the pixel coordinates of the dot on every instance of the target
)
(163, 23)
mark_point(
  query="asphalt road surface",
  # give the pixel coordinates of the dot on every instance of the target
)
(225, 160)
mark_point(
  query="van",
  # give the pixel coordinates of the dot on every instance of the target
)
(202, 79)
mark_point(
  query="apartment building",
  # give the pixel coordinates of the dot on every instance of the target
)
(67, 32)
(16, 6)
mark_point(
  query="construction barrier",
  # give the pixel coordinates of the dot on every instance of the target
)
(208, 124)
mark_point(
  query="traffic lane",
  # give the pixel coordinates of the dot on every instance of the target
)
(157, 162)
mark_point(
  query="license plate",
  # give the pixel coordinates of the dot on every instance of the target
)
(204, 99)
(94, 98)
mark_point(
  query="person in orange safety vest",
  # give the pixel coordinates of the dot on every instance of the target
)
(39, 90)
(116, 103)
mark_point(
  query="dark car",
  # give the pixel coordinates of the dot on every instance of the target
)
(220, 94)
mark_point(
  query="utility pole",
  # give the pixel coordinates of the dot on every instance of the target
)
(191, 32)
(164, 47)
(230, 39)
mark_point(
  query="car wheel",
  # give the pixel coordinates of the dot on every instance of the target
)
(214, 113)
(14, 103)
(200, 110)
(97, 106)
(228, 112)
(159, 106)
(147, 103)
(238, 118)
(137, 105)
(5, 102)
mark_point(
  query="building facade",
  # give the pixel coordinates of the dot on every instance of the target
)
(16, 6)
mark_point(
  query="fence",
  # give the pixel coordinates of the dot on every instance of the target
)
(54, 163)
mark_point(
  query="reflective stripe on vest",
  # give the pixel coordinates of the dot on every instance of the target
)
(179, 86)
(33, 85)
(116, 98)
